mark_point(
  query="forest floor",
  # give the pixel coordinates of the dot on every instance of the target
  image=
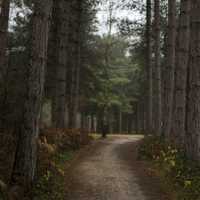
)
(109, 170)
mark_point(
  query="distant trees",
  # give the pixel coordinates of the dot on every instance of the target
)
(110, 87)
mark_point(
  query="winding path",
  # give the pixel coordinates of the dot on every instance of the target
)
(109, 170)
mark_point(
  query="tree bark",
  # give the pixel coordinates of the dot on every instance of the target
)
(193, 105)
(169, 70)
(61, 63)
(26, 153)
(4, 18)
(181, 69)
(158, 90)
(51, 72)
(120, 121)
(76, 62)
(149, 82)
(137, 113)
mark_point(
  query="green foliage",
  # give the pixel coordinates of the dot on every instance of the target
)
(110, 74)
(180, 171)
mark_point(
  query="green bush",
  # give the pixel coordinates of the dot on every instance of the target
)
(182, 172)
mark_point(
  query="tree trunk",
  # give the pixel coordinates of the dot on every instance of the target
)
(120, 121)
(149, 67)
(26, 153)
(169, 70)
(61, 61)
(51, 78)
(158, 90)
(182, 58)
(4, 18)
(76, 62)
(137, 116)
(193, 105)
(142, 118)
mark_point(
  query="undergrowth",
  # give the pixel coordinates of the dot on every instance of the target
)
(182, 173)
(50, 186)
(56, 149)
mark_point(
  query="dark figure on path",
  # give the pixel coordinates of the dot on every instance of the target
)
(104, 129)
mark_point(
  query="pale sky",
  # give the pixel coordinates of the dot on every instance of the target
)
(103, 16)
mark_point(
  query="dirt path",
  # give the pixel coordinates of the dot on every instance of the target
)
(109, 170)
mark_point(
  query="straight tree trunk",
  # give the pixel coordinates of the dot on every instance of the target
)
(181, 69)
(169, 70)
(142, 118)
(51, 72)
(110, 120)
(75, 88)
(120, 121)
(136, 118)
(61, 63)
(193, 104)
(158, 89)
(4, 18)
(149, 83)
(76, 62)
(26, 152)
